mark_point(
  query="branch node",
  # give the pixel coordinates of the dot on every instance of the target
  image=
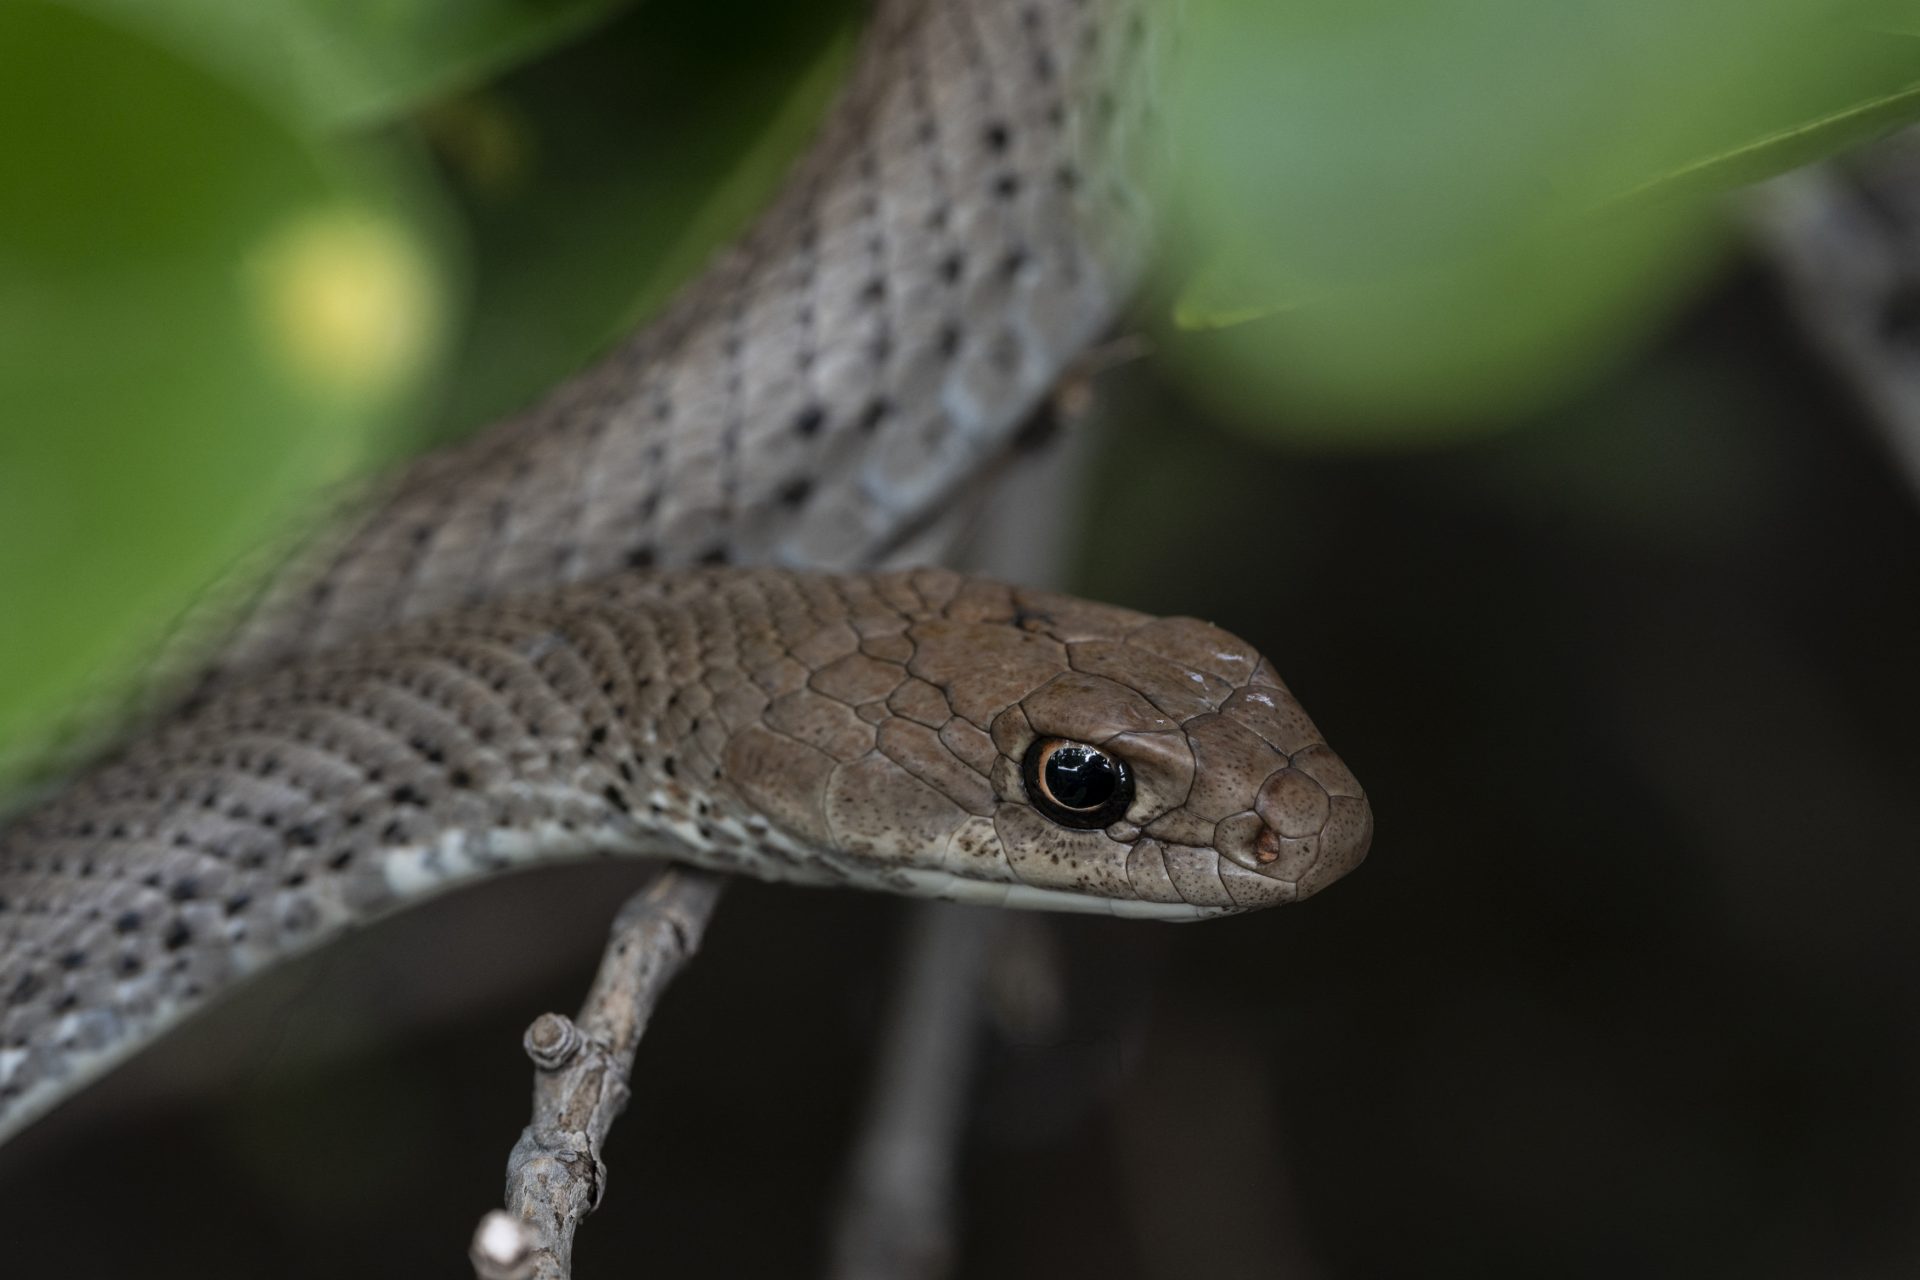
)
(552, 1041)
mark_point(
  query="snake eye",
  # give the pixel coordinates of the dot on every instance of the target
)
(1076, 785)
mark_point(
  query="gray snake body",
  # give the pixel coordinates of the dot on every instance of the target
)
(415, 702)
(966, 224)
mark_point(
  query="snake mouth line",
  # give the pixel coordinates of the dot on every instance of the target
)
(987, 893)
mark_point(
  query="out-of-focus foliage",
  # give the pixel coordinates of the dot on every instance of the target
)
(217, 297)
(354, 61)
(1444, 214)
(203, 316)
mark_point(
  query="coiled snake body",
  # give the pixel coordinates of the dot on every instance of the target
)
(415, 702)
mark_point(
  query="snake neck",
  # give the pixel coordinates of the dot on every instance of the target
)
(632, 716)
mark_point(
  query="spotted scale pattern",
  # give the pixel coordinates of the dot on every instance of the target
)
(966, 223)
(863, 730)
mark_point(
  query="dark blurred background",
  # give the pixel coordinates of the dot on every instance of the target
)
(1630, 984)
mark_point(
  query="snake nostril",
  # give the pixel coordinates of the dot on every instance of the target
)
(1253, 843)
(1267, 848)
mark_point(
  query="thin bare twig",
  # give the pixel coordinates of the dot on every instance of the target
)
(555, 1176)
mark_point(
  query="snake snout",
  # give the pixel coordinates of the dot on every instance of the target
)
(1310, 824)
(1316, 805)
(1344, 842)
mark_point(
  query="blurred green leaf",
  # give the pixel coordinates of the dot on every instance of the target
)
(1455, 347)
(353, 62)
(203, 318)
(1789, 146)
(1450, 213)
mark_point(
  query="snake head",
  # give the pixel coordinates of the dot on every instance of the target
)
(1034, 750)
(1168, 770)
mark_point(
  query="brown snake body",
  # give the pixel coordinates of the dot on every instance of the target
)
(416, 702)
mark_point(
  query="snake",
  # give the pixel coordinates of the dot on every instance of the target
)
(657, 613)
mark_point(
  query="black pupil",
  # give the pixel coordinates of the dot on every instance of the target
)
(1079, 777)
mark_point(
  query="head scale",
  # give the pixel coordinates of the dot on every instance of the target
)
(1037, 750)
